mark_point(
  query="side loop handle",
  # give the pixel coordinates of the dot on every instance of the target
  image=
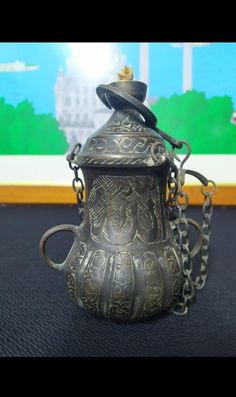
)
(198, 244)
(45, 237)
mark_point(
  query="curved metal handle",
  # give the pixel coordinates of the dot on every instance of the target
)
(198, 244)
(133, 103)
(49, 233)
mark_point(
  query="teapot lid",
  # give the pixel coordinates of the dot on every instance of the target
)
(127, 138)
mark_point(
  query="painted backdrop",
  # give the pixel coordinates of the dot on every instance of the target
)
(48, 100)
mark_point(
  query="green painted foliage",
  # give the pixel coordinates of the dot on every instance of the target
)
(24, 132)
(204, 123)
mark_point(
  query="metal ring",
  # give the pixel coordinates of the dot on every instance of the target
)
(75, 188)
(185, 204)
(181, 313)
(209, 193)
(158, 157)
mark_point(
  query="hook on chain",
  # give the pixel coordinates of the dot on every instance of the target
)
(187, 155)
(79, 191)
(70, 156)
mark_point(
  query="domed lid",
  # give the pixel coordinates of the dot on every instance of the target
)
(128, 138)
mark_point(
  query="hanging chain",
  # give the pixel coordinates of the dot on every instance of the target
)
(78, 189)
(207, 211)
(177, 205)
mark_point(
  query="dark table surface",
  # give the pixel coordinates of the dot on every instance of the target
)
(39, 318)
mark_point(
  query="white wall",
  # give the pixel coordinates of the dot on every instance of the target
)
(54, 170)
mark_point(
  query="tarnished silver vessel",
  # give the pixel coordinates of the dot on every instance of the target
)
(126, 262)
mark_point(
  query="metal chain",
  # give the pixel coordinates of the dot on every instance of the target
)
(78, 189)
(180, 226)
(207, 211)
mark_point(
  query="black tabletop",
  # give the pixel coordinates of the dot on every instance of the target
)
(39, 318)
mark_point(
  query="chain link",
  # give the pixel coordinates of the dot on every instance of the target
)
(177, 204)
(78, 189)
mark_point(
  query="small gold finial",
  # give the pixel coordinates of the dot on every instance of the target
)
(126, 73)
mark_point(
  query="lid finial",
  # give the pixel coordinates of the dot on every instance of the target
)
(126, 73)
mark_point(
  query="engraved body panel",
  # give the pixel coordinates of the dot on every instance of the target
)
(124, 208)
(127, 269)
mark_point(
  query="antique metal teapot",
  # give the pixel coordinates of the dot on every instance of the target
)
(131, 256)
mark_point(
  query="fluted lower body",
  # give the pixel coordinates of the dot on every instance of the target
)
(125, 285)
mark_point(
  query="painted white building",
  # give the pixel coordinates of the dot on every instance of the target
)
(233, 119)
(79, 111)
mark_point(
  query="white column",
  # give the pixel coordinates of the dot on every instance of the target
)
(144, 63)
(144, 66)
(187, 66)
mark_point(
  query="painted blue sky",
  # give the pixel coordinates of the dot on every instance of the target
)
(214, 70)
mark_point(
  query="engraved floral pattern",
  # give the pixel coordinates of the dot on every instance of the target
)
(122, 207)
(93, 280)
(71, 270)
